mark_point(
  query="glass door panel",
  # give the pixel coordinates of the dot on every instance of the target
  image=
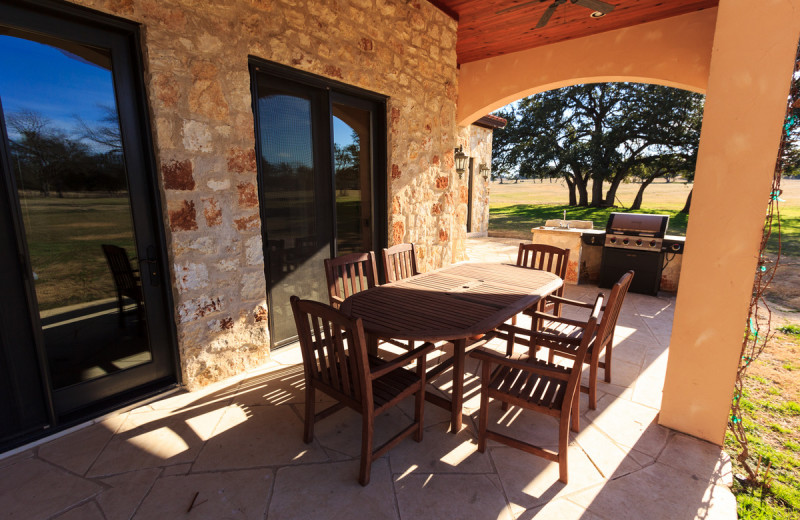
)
(317, 153)
(297, 232)
(353, 174)
(72, 187)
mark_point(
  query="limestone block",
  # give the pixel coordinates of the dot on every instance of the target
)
(197, 137)
(254, 251)
(197, 308)
(190, 276)
(254, 286)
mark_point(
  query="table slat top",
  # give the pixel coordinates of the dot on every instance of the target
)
(454, 302)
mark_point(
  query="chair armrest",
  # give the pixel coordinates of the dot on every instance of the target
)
(566, 301)
(559, 319)
(498, 359)
(401, 361)
(336, 302)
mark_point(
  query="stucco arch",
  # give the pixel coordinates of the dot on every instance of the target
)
(675, 52)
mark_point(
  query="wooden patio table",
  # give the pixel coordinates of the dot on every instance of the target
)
(455, 303)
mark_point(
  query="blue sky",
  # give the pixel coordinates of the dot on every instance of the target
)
(287, 122)
(60, 86)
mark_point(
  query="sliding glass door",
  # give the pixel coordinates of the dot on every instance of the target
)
(80, 241)
(321, 182)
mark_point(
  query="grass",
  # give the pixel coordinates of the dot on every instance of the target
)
(520, 218)
(772, 422)
(64, 238)
(515, 208)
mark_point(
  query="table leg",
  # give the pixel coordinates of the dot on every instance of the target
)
(459, 356)
(372, 344)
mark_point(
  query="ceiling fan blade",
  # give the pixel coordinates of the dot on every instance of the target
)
(595, 5)
(547, 14)
(518, 6)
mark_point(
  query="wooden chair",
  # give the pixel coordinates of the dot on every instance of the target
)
(544, 258)
(335, 362)
(126, 280)
(349, 274)
(537, 385)
(605, 334)
(400, 262)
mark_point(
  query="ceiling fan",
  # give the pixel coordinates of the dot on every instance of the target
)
(597, 6)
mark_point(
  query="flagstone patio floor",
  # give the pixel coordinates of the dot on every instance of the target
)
(235, 450)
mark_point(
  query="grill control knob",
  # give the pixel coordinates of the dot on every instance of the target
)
(638, 241)
(613, 240)
(625, 241)
(652, 243)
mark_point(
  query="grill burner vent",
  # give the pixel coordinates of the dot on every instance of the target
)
(636, 231)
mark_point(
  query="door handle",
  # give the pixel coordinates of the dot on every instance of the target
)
(152, 266)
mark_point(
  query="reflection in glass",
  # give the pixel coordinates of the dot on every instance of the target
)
(352, 163)
(66, 153)
(289, 200)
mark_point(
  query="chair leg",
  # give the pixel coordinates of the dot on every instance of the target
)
(483, 415)
(419, 411)
(576, 412)
(308, 428)
(593, 383)
(563, 442)
(120, 305)
(607, 367)
(366, 448)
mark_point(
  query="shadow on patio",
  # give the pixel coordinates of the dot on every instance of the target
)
(235, 450)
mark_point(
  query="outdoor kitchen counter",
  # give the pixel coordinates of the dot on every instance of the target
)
(584, 253)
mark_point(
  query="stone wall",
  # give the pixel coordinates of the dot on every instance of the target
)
(479, 147)
(198, 86)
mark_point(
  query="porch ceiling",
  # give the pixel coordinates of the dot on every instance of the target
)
(485, 31)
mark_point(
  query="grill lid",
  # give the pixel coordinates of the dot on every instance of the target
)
(637, 224)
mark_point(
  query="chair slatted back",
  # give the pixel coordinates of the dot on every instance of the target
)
(605, 330)
(580, 355)
(334, 351)
(121, 269)
(350, 274)
(544, 258)
(400, 262)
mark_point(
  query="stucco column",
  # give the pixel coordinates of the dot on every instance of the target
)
(751, 66)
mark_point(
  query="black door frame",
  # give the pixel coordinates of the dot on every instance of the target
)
(336, 92)
(82, 25)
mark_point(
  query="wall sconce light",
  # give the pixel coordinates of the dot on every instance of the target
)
(485, 171)
(461, 160)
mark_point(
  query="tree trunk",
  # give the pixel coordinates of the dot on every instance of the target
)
(637, 202)
(597, 190)
(583, 195)
(688, 203)
(573, 200)
(611, 194)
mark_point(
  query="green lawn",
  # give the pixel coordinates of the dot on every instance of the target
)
(520, 218)
(515, 208)
(64, 238)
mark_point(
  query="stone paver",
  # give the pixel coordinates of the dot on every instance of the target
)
(235, 450)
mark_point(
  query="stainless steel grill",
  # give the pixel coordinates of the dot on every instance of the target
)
(634, 242)
(636, 231)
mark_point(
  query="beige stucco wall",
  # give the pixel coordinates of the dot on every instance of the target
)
(751, 67)
(198, 86)
(674, 52)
